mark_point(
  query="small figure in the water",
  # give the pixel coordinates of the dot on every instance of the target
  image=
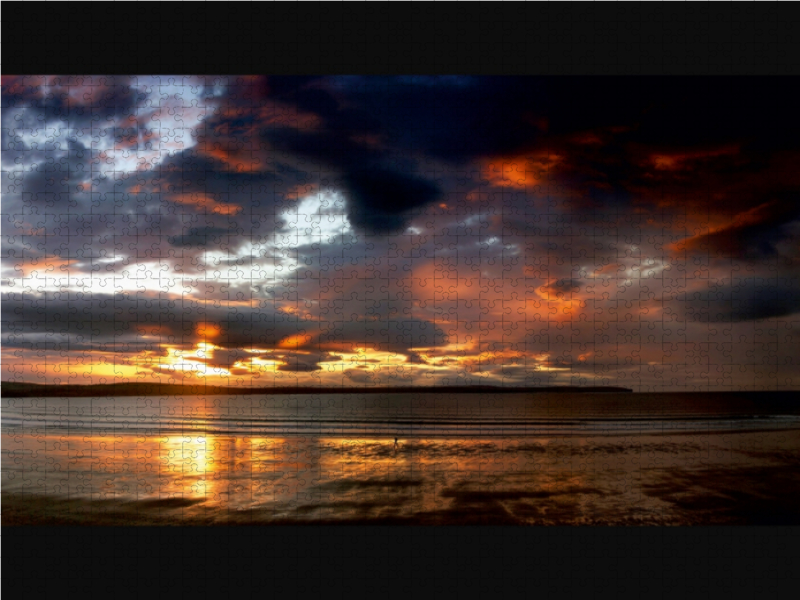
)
(395, 443)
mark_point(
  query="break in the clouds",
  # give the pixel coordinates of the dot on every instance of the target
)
(401, 230)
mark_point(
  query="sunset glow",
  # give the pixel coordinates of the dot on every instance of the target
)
(363, 231)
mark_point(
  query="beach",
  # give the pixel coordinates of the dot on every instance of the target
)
(586, 460)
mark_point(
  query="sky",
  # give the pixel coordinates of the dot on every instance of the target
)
(394, 231)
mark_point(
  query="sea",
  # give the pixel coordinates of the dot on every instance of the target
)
(403, 458)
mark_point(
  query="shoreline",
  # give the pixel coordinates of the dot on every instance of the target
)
(10, 389)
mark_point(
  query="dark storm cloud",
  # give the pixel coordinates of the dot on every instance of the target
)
(382, 200)
(104, 319)
(675, 112)
(462, 119)
(381, 192)
(722, 130)
(700, 111)
(604, 136)
(454, 121)
(508, 115)
(374, 133)
(200, 237)
(190, 171)
(343, 120)
(750, 299)
(382, 188)
(73, 343)
(54, 180)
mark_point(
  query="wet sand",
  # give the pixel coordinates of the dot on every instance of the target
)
(746, 478)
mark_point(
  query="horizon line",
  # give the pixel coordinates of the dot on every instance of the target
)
(27, 389)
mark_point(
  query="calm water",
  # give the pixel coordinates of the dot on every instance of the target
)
(516, 458)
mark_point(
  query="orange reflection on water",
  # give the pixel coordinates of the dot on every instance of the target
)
(334, 478)
(236, 472)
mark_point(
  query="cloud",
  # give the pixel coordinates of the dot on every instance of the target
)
(109, 319)
(477, 217)
(200, 237)
(380, 200)
(361, 376)
(562, 287)
(78, 103)
(387, 335)
(62, 164)
(301, 362)
(381, 191)
(205, 203)
(415, 358)
(749, 299)
(224, 358)
(99, 319)
(752, 234)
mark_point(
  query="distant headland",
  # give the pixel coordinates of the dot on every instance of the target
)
(13, 389)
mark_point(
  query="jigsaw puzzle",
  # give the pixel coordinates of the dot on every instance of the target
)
(410, 300)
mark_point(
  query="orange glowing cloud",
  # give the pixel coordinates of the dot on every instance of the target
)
(45, 264)
(295, 341)
(207, 330)
(437, 283)
(236, 159)
(207, 203)
(520, 171)
(673, 161)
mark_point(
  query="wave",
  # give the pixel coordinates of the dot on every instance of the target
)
(405, 415)
(406, 427)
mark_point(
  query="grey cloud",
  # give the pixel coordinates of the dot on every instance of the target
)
(224, 358)
(749, 300)
(200, 237)
(383, 335)
(83, 319)
(303, 361)
(53, 107)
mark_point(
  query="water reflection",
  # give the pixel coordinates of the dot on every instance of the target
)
(82, 457)
(245, 472)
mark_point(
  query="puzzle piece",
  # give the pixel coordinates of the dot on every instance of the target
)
(398, 300)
